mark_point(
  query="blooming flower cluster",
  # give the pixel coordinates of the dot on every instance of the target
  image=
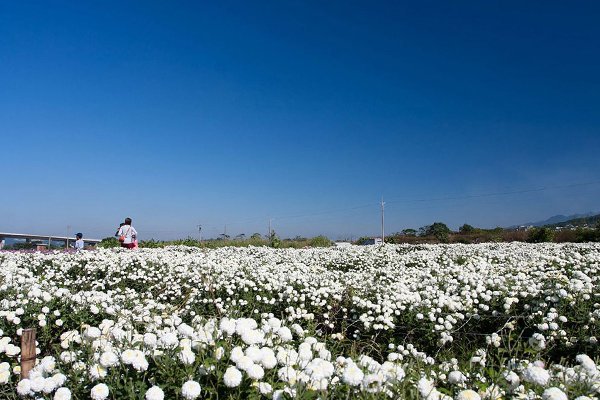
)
(433, 321)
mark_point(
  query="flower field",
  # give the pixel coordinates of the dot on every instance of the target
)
(430, 322)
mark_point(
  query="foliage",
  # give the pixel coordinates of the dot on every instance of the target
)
(540, 235)
(320, 241)
(466, 228)
(109, 242)
(439, 230)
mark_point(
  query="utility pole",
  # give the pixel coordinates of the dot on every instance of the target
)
(270, 230)
(382, 221)
(199, 233)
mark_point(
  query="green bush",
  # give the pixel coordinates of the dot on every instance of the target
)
(540, 235)
(319, 241)
(108, 242)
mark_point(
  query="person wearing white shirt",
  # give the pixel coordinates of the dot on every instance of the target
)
(79, 242)
(127, 235)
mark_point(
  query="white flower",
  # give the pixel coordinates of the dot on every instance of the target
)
(468, 395)
(62, 394)
(219, 352)
(59, 379)
(456, 377)
(190, 390)
(99, 392)
(232, 377)
(353, 375)
(150, 340)
(227, 326)
(284, 334)
(255, 372)
(97, 371)
(186, 356)
(37, 383)
(24, 387)
(587, 363)
(155, 393)
(109, 359)
(537, 375)
(4, 376)
(554, 393)
(265, 388)
(92, 333)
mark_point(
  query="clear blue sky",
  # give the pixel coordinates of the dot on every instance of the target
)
(179, 113)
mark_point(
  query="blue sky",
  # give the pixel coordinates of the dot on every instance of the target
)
(231, 113)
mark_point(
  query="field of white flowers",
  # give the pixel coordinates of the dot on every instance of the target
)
(418, 322)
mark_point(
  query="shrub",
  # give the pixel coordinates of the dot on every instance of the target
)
(108, 242)
(319, 241)
(540, 235)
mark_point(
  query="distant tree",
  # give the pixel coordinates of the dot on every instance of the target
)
(540, 235)
(409, 232)
(439, 230)
(466, 228)
(256, 236)
(320, 241)
(274, 240)
(223, 236)
(423, 230)
(241, 236)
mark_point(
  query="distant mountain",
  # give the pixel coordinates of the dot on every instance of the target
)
(589, 221)
(557, 219)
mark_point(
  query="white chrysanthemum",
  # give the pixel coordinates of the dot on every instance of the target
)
(109, 359)
(139, 362)
(99, 392)
(456, 378)
(232, 377)
(4, 376)
(91, 333)
(150, 340)
(187, 356)
(353, 375)
(227, 326)
(128, 356)
(97, 371)
(49, 386)
(264, 388)
(62, 394)
(37, 383)
(185, 330)
(219, 352)
(190, 390)
(537, 375)
(59, 379)
(287, 374)
(554, 393)
(24, 387)
(253, 336)
(255, 372)
(168, 340)
(587, 363)
(254, 353)
(285, 334)
(268, 359)
(243, 363)
(48, 364)
(236, 354)
(425, 387)
(155, 393)
(468, 395)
